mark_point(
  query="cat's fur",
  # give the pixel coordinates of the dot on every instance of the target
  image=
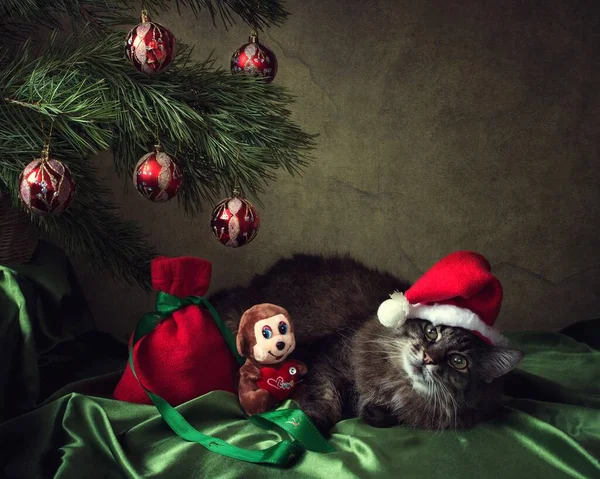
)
(359, 367)
(395, 385)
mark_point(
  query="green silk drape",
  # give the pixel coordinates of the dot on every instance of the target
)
(550, 426)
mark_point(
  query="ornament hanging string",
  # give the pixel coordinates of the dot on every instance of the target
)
(46, 148)
(156, 136)
(236, 183)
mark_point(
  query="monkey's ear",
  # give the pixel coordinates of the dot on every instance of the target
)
(289, 320)
(241, 341)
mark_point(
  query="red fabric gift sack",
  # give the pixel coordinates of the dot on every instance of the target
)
(186, 355)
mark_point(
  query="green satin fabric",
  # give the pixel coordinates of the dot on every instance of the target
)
(550, 427)
(41, 308)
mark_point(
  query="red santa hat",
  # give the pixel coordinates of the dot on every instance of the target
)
(459, 291)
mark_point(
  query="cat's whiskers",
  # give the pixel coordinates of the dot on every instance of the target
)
(348, 338)
(456, 408)
(381, 355)
(391, 348)
(452, 402)
(383, 358)
(452, 414)
(435, 402)
(381, 341)
(377, 338)
(444, 411)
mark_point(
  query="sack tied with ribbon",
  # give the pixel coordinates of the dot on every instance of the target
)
(184, 350)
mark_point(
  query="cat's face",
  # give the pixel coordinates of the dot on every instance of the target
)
(450, 361)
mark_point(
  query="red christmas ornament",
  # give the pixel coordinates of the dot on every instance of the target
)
(235, 221)
(46, 185)
(149, 46)
(157, 176)
(255, 59)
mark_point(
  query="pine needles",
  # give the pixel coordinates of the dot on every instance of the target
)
(104, 14)
(218, 126)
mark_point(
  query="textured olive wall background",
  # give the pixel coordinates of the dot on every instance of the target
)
(443, 125)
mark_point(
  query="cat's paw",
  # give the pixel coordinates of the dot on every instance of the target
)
(321, 422)
(378, 416)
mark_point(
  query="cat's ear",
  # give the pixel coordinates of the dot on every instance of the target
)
(498, 361)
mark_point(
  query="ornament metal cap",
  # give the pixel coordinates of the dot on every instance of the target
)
(253, 38)
(45, 152)
(236, 189)
(145, 17)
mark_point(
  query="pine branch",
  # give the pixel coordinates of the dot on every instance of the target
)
(91, 228)
(241, 125)
(18, 16)
(104, 14)
(257, 13)
(38, 92)
(219, 126)
(79, 108)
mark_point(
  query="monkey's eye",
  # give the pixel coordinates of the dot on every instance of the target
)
(266, 332)
(283, 327)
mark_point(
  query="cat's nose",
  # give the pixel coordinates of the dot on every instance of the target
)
(280, 345)
(427, 359)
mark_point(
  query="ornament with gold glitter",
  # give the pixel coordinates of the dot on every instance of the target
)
(149, 46)
(235, 221)
(157, 176)
(255, 59)
(46, 185)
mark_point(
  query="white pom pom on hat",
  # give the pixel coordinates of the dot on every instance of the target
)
(394, 311)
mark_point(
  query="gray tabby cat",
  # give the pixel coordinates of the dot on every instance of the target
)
(420, 375)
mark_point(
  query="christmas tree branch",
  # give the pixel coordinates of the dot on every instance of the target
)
(104, 14)
(40, 92)
(91, 229)
(18, 16)
(220, 127)
(257, 13)
(240, 125)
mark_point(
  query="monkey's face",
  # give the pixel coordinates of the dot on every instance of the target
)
(274, 339)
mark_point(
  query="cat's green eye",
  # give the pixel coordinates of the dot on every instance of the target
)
(458, 361)
(430, 332)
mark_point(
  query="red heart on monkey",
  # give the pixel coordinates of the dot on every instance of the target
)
(280, 382)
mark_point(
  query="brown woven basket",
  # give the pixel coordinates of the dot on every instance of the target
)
(18, 238)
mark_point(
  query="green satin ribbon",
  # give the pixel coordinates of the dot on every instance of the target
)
(297, 424)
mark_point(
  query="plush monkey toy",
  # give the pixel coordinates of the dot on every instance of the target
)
(265, 338)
